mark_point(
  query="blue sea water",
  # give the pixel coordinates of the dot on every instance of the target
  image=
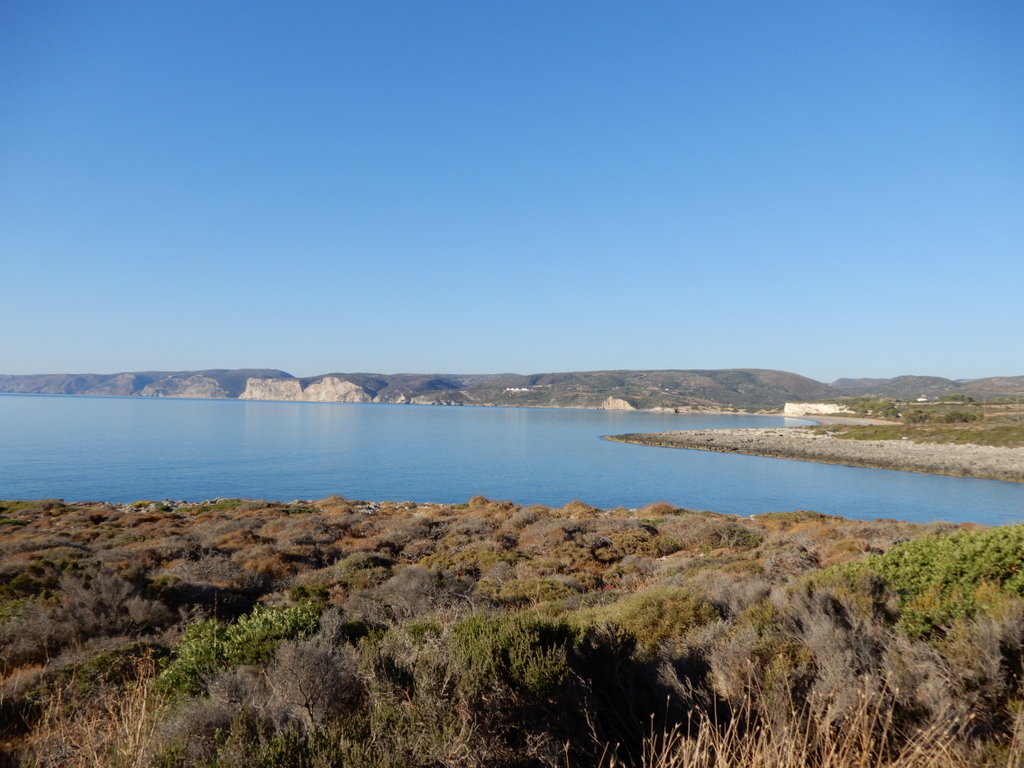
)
(124, 449)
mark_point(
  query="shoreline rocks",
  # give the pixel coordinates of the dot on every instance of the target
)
(981, 461)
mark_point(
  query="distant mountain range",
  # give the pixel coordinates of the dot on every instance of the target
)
(214, 383)
(753, 389)
(909, 387)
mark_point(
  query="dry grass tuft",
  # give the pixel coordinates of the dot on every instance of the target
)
(113, 729)
(869, 737)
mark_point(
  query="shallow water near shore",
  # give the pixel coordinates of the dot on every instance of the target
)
(125, 449)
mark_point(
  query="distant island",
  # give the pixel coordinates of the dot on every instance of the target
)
(739, 389)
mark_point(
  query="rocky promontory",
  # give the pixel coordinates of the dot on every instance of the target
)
(661, 390)
(329, 389)
(800, 443)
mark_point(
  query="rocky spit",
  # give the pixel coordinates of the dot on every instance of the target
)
(799, 443)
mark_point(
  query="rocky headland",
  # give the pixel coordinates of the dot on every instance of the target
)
(677, 391)
(983, 461)
(329, 389)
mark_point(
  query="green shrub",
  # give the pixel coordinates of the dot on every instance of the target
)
(527, 652)
(209, 646)
(420, 631)
(361, 570)
(113, 666)
(958, 417)
(472, 561)
(537, 590)
(31, 507)
(864, 406)
(721, 534)
(956, 397)
(641, 543)
(942, 578)
(915, 416)
(303, 593)
(655, 615)
(37, 578)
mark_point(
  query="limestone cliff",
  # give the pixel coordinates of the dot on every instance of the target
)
(333, 390)
(329, 389)
(272, 389)
(686, 391)
(397, 398)
(814, 409)
(446, 398)
(616, 404)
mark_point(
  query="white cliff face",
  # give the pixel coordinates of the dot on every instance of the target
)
(813, 409)
(272, 389)
(193, 386)
(329, 389)
(616, 404)
(435, 400)
(392, 398)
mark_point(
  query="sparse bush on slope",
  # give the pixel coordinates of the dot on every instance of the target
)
(208, 646)
(368, 635)
(943, 578)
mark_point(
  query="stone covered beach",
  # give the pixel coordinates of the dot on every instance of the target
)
(800, 443)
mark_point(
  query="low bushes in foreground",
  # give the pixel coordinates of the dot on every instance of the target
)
(342, 633)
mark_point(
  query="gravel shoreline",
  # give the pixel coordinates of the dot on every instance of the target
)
(982, 461)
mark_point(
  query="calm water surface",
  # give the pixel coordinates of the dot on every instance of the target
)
(123, 449)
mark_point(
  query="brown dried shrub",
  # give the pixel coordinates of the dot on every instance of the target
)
(636, 542)
(657, 509)
(631, 573)
(576, 556)
(524, 517)
(518, 592)
(545, 535)
(785, 521)
(415, 591)
(579, 509)
(103, 604)
(468, 531)
(719, 534)
(473, 562)
(334, 505)
(266, 561)
(315, 683)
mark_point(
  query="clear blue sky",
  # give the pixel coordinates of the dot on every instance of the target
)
(835, 189)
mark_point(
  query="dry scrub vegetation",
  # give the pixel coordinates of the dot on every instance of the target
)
(347, 633)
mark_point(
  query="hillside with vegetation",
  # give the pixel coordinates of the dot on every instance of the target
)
(680, 390)
(697, 389)
(350, 633)
(219, 382)
(957, 419)
(911, 387)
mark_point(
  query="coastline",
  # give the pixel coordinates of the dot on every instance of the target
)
(680, 411)
(980, 461)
